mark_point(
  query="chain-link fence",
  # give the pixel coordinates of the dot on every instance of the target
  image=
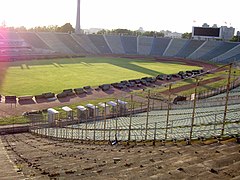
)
(147, 123)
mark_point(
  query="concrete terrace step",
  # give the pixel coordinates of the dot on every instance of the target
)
(68, 160)
(8, 169)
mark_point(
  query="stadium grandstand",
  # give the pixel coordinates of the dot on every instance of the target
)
(33, 43)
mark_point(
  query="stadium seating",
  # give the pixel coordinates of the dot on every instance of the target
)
(54, 43)
(175, 46)
(159, 46)
(231, 53)
(235, 58)
(71, 43)
(10, 35)
(189, 48)
(225, 46)
(233, 92)
(206, 124)
(115, 44)
(129, 44)
(50, 43)
(144, 45)
(34, 40)
(86, 43)
(206, 47)
(100, 43)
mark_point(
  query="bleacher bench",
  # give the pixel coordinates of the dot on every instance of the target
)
(69, 92)
(10, 99)
(39, 96)
(105, 87)
(87, 87)
(48, 95)
(25, 98)
(79, 91)
(62, 95)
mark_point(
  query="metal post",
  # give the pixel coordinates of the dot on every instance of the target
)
(117, 111)
(56, 130)
(78, 127)
(155, 132)
(227, 96)
(168, 110)
(109, 134)
(37, 123)
(234, 79)
(48, 130)
(94, 127)
(45, 130)
(72, 133)
(215, 122)
(41, 129)
(32, 127)
(66, 131)
(130, 123)
(82, 132)
(104, 128)
(171, 124)
(86, 130)
(146, 130)
(153, 105)
(194, 109)
(133, 111)
(61, 129)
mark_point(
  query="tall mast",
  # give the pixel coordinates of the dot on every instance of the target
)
(78, 27)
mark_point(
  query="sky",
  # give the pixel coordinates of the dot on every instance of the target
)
(151, 15)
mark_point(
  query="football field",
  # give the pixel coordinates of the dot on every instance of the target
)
(38, 76)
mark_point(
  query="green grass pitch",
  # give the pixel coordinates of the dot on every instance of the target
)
(38, 76)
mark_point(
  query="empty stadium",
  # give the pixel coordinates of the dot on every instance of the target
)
(155, 120)
(100, 106)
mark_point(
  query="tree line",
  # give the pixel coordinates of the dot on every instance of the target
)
(67, 28)
(129, 32)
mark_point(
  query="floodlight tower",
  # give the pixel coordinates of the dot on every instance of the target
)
(78, 27)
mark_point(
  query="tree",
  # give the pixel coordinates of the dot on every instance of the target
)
(52, 28)
(122, 31)
(103, 31)
(235, 39)
(153, 33)
(160, 34)
(187, 35)
(149, 33)
(66, 28)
